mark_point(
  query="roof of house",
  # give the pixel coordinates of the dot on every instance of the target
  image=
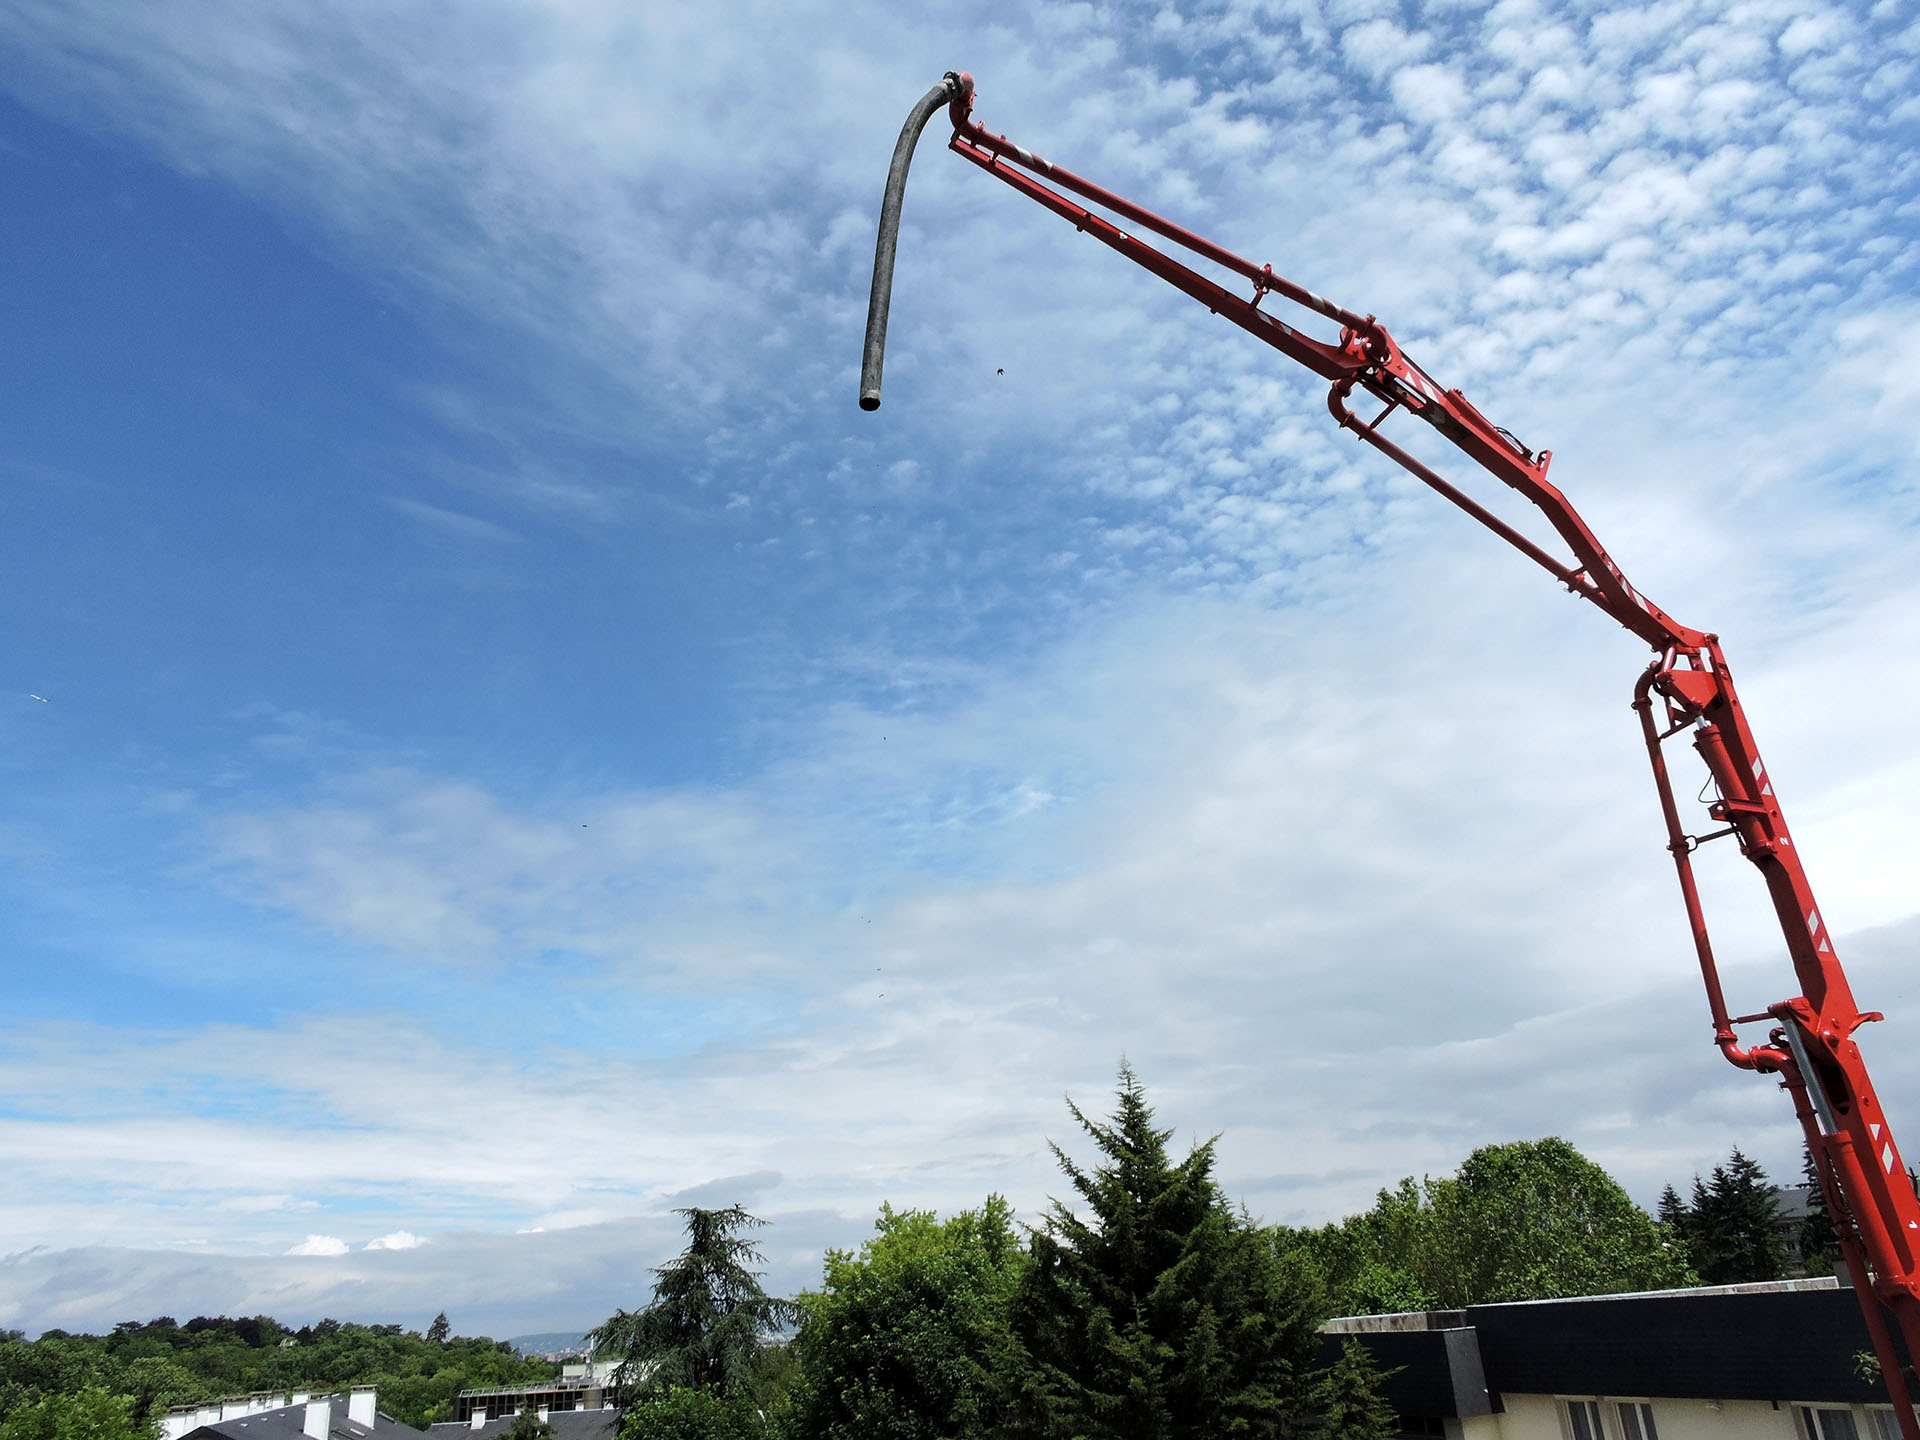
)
(1781, 1340)
(288, 1422)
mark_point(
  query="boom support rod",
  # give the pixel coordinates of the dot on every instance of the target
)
(1688, 688)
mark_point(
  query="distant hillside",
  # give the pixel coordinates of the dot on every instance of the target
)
(551, 1343)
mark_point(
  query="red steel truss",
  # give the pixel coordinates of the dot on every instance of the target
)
(1687, 689)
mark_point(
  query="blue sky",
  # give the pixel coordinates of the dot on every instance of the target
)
(521, 750)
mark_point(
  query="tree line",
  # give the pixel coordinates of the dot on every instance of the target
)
(116, 1386)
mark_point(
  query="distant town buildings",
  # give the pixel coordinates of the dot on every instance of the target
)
(580, 1387)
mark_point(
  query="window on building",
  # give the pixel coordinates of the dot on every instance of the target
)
(1826, 1424)
(1582, 1418)
(1884, 1423)
(1636, 1420)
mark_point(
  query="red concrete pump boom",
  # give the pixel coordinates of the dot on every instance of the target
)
(1688, 688)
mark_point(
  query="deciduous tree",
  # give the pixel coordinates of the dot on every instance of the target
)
(1536, 1220)
(908, 1338)
(1531, 1220)
(88, 1414)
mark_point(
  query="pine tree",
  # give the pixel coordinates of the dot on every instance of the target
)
(1161, 1314)
(703, 1328)
(1670, 1212)
(1736, 1224)
(1349, 1400)
(438, 1331)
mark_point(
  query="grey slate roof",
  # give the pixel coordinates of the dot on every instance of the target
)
(287, 1423)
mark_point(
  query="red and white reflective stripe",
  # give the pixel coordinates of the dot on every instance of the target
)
(1815, 932)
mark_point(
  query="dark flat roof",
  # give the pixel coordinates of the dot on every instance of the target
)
(1779, 1342)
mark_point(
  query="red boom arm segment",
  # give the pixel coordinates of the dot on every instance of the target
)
(1810, 1046)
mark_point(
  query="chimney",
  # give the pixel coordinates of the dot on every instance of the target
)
(360, 1405)
(299, 1397)
(177, 1423)
(319, 1418)
(544, 1412)
(479, 1416)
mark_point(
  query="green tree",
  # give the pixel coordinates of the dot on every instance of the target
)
(1736, 1225)
(1162, 1314)
(1380, 1261)
(88, 1414)
(685, 1414)
(1530, 1220)
(704, 1326)
(1380, 1289)
(1535, 1220)
(1349, 1401)
(162, 1363)
(1819, 1246)
(1676, 1225)
(909, 1337)
(1671, 1211)
(527, 1425)
(438, 1331)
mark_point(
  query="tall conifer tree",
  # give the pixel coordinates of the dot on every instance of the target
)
(1349, 1398)
(707, 1318)
(1159, 1313)
(1736, 1222)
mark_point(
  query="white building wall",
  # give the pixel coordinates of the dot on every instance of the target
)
(1537, 1417)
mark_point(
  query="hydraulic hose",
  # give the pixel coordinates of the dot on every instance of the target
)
(951, 87)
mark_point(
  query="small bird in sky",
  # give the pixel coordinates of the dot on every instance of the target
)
(41, 698)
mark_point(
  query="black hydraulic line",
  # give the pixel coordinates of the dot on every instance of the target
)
(878, 301)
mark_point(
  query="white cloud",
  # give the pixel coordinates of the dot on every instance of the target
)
(1430, 93)
(320, 1245)
(266, 1204)
(398, 1240)
(1380, 47)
